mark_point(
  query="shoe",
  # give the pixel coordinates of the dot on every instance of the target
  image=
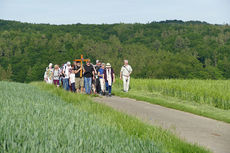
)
(110, 95)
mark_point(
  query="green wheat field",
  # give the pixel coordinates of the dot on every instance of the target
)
(38, 117)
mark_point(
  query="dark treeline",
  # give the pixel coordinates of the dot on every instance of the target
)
(168, 49)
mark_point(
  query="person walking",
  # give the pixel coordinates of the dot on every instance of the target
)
(88, 76)
(72, 80)
(56, 75)
(97, 80)
(66, 73)
(102, 81)
(61, 75)
(79, 81)
(125, 73)
(109, 77)
(48, 76)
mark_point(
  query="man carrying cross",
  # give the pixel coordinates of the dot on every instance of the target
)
(79, 71)
(125, 73)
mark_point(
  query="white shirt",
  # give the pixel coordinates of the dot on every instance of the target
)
(126, 70)
(72, 78)
(56, 74)
(67, 71)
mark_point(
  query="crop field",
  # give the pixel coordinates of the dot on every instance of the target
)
(41, 118)
(211, 92)
(209, 98)
(34, 121)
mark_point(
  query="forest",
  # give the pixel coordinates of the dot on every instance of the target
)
(161, 50)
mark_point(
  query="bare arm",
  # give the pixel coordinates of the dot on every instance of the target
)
(93, 74)
(114, 79)
(83, 69)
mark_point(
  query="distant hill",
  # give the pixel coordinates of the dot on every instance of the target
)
(166, 49)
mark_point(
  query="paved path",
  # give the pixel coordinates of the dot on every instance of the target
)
(213, 134)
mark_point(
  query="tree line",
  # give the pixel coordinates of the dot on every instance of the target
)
(167, 49)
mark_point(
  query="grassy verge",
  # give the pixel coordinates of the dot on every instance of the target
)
(165, 140)
(156, 97)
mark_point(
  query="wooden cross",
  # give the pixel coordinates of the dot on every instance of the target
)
(81, 60)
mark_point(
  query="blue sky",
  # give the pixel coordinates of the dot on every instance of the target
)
(116, 11)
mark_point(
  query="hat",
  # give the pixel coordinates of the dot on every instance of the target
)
(50, 65)
(108, 65)
(68, 63)
(97, 61)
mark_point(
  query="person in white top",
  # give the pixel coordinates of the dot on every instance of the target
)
(72, 80)
(125, 73)
(66, 73)
(56, 75)
(48, 76)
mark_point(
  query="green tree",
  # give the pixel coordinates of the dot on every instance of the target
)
(9, 72)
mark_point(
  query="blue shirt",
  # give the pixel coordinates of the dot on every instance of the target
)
(101, 72)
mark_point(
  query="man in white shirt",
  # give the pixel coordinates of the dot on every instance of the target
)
(125, 73)
(66, 72)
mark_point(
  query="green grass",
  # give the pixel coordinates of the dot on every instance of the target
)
(194, 96)
(42, 118)
(35, 121)
(167, 141)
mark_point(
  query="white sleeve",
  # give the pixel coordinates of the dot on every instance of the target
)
(130, 69)
(122, 69)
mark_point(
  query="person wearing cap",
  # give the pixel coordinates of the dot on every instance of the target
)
(66, 73)
(48, 76)
(125, 73)
(79, 80)
(109, 77)
(88, 76)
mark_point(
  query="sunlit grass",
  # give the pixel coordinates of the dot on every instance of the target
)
(208, 98)
(49, 119)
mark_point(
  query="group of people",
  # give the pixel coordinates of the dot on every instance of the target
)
(87, 78)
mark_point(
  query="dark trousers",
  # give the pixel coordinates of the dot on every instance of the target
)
(98, 86)
(73, 87)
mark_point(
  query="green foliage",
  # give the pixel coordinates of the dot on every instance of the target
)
(5, 75)
(170, 49)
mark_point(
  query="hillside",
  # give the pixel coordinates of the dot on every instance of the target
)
(169, 49)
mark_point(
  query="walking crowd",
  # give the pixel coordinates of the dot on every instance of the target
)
(87, 78)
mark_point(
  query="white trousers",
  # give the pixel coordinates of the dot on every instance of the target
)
(102, 83)
(126, 81)
(49, 81)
